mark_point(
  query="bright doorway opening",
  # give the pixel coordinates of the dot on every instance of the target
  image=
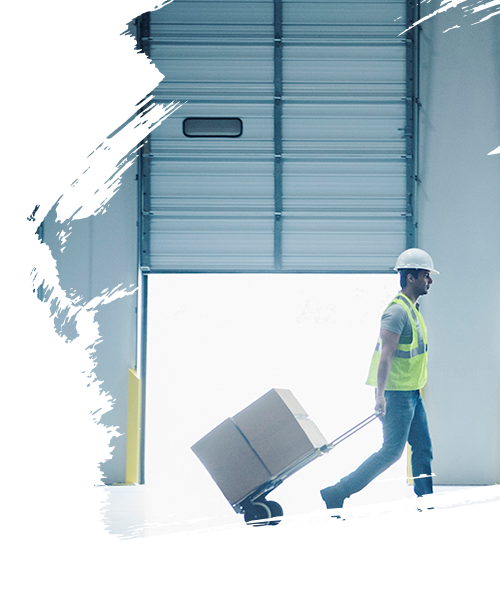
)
(217, 342)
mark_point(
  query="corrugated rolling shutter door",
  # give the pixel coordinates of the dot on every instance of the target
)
(344, 180)
(212, 198)
(330, 80)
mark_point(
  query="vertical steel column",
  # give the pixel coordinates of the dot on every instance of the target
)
(278, 143)
(141, 370)
(143, 37)
(411, 129)
(143, 243)
(37, 104)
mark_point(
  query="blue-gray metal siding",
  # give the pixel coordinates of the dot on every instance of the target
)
(343, 112)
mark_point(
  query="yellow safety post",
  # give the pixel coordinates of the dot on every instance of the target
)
(133, 428)
(39, 427)
(409, 473)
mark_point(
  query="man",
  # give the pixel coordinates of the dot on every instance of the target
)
(399, 372)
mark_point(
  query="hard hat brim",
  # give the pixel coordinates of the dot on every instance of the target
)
(433, 271)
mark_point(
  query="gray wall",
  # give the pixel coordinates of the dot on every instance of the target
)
(459, 206)
(88, 320)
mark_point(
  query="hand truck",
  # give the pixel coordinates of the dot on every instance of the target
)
(258, 511)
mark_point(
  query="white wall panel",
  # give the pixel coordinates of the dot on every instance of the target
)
(459, 226)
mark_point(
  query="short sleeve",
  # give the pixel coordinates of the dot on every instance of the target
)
(394, 319)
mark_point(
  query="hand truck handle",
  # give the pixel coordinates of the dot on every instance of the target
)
(351, 431)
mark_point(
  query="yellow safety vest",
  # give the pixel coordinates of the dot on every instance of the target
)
(409, 366)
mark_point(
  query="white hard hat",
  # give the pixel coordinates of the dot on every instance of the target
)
(414, 258)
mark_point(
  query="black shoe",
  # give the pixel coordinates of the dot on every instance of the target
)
(425, 518)
(334, 501)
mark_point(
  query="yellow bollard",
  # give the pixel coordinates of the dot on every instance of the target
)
(133, 428)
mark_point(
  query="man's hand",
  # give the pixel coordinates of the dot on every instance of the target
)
(380, 406)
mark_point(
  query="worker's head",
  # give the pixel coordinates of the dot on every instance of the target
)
(403, 276)
(416, 280)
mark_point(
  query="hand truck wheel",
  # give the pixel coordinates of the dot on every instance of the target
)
(276, 512)
(257, 515)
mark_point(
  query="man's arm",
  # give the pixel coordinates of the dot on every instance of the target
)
(390, 342)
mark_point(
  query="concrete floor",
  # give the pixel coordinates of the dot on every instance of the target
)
(199, 543)
(159, 513)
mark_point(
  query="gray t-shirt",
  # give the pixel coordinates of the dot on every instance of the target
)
(396, 319)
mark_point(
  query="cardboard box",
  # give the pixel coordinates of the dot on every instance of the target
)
(279, 430)
(231, 461)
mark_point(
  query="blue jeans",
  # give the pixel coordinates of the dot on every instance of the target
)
(405, 420)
